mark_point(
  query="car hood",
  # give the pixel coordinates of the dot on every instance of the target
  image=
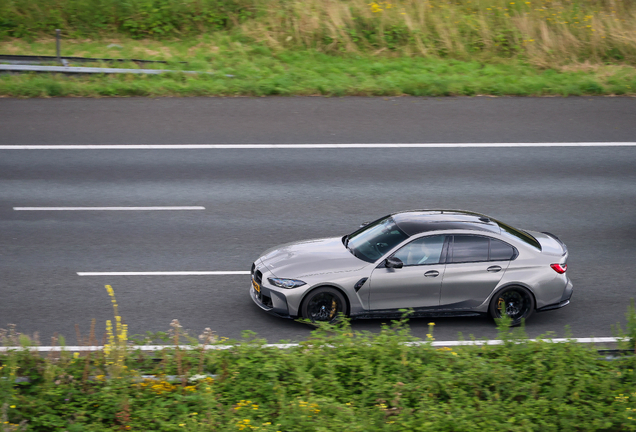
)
(295, 260)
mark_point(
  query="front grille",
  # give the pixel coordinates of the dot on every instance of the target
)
(258, 277)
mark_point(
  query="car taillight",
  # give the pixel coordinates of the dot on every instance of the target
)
(559, 268)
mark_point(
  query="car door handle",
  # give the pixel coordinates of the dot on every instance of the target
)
(431, 273)
(494, 269)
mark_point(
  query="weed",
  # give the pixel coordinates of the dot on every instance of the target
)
(115, 349)
(338, 379)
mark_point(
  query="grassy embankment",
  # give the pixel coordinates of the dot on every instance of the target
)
(337, 380)
(336, 47)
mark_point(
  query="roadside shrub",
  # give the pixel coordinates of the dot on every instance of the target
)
(545, 32)
(137, 18)
(338, 379)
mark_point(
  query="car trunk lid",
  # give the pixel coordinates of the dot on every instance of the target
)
(550, 243)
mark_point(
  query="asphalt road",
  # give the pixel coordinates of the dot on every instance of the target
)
(315, 120)
(255, 199)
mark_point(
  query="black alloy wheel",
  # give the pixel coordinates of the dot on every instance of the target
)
(515, 302)
(324, 304)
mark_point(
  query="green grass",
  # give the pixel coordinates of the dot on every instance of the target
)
(258, 71)
(545, 32)
(339, 47)
(339, 379)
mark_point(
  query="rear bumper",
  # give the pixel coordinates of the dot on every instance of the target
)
(565, 299)
(554, 306)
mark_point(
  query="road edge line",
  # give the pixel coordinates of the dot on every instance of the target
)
(151, 348)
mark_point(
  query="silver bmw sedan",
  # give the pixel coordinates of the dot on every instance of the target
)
(432, 262)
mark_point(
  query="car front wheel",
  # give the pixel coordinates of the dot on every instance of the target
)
(515, 302)
(324, 304)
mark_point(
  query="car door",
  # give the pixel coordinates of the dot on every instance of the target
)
(474, 267)
(417, 284)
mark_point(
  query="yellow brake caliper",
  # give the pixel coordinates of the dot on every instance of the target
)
(333, 309)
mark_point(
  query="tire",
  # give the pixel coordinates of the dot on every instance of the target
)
(517, 301)
(324, 305)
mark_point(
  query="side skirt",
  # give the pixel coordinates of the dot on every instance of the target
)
(396, 314)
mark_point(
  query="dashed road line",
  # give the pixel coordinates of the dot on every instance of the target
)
(109, 208)
(165, 273)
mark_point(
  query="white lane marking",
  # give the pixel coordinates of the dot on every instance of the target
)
(108, 208)
(308, 146)
(166, 273)
(292, 345)
(500, 342)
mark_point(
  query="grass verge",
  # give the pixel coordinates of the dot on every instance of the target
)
(337, 47)
(260, 71)
(337, 380)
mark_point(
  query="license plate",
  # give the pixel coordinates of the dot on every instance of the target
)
(256, 286)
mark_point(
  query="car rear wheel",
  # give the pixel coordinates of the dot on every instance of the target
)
(324, 304)
(516, 302)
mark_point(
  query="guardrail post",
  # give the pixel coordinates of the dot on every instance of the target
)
(57, 45)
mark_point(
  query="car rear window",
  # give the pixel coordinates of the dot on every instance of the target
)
(470, 249)
(519, 234)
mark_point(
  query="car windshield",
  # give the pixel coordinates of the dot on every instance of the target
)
(376, 239)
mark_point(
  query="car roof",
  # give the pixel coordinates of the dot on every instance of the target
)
(414, 222)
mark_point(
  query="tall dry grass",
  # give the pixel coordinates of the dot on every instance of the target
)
(546, 32)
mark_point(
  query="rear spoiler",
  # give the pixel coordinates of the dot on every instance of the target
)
(565, 248)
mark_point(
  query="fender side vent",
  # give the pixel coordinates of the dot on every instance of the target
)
(359, 284)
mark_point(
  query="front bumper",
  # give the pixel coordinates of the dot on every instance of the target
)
(270, 301)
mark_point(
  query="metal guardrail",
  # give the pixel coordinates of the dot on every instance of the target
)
(10, 63)
(38, 59)
(58, 58)
(8, 68)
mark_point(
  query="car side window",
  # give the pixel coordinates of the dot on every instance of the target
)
(500, 251)
(425, 250)
(470, 249)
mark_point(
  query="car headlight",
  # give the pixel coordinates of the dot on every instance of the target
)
(286, 283)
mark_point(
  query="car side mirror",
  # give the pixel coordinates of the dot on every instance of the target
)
(393, 262)
(363, 224)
